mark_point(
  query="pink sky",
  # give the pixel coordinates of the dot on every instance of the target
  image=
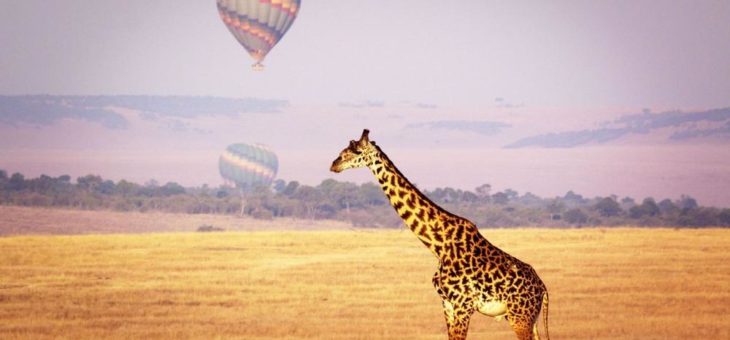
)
(638, 166)
(391, 66)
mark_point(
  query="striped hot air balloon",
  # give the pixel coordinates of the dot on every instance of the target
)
(248, 166)
(258, 24)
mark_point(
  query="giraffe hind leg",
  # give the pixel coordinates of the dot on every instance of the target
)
(535, 333)
(524, 329)
(524, 333)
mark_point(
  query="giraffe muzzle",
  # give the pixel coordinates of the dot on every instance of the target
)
(334, 168)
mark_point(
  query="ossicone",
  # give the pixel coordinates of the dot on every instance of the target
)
(364, 138)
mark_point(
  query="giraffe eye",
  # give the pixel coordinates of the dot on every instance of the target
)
(353, 147)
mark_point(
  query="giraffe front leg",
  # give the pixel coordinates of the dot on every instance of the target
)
(457, 320)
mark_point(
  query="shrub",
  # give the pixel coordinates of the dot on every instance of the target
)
(575, 216)
(262, 214)
(206, 228)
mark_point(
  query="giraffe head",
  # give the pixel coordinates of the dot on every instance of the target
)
(357, 154)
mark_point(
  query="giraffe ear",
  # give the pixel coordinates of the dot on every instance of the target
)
(364, 138)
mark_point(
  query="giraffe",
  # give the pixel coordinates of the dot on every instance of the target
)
(473, 275)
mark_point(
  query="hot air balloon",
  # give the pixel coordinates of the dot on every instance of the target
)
(258, 24)
(248, 167)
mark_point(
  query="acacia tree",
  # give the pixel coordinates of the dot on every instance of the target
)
(575, 216)
(89, 183)
(667, 207)
(608, 207)
(310, 198)
(371, 194)
(346, 195)
(483, 191)
(724, 217)
(500, 198)
(648, 207)
(16, 182)
(687, 202)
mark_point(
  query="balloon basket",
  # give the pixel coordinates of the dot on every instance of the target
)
(257, 67)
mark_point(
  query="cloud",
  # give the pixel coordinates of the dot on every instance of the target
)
(723, 131)
(363, 104)
(485, 128)
(500, 102)
(368, 104)
(426, 106)
(47, 110)
(688, 125)
(43, 110)
(649, 121)
(184, 106)
(178, 125)
(570, 139)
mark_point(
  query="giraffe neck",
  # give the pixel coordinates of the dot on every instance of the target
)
(425, 219)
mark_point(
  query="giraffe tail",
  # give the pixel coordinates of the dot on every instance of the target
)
(545, 300)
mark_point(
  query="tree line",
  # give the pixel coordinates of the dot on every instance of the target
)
(364, 205)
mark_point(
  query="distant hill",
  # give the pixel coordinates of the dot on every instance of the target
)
(671, 126)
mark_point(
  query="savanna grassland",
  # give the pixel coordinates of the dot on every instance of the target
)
(623, 283)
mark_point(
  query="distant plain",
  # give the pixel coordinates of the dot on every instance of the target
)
(150, 276)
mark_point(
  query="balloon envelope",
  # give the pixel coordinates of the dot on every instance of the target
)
(258, 24)
(248, 166)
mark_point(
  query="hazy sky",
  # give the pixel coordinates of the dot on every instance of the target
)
(668, 54)
(406, 69)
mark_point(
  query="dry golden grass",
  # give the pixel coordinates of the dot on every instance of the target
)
(604, 284)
